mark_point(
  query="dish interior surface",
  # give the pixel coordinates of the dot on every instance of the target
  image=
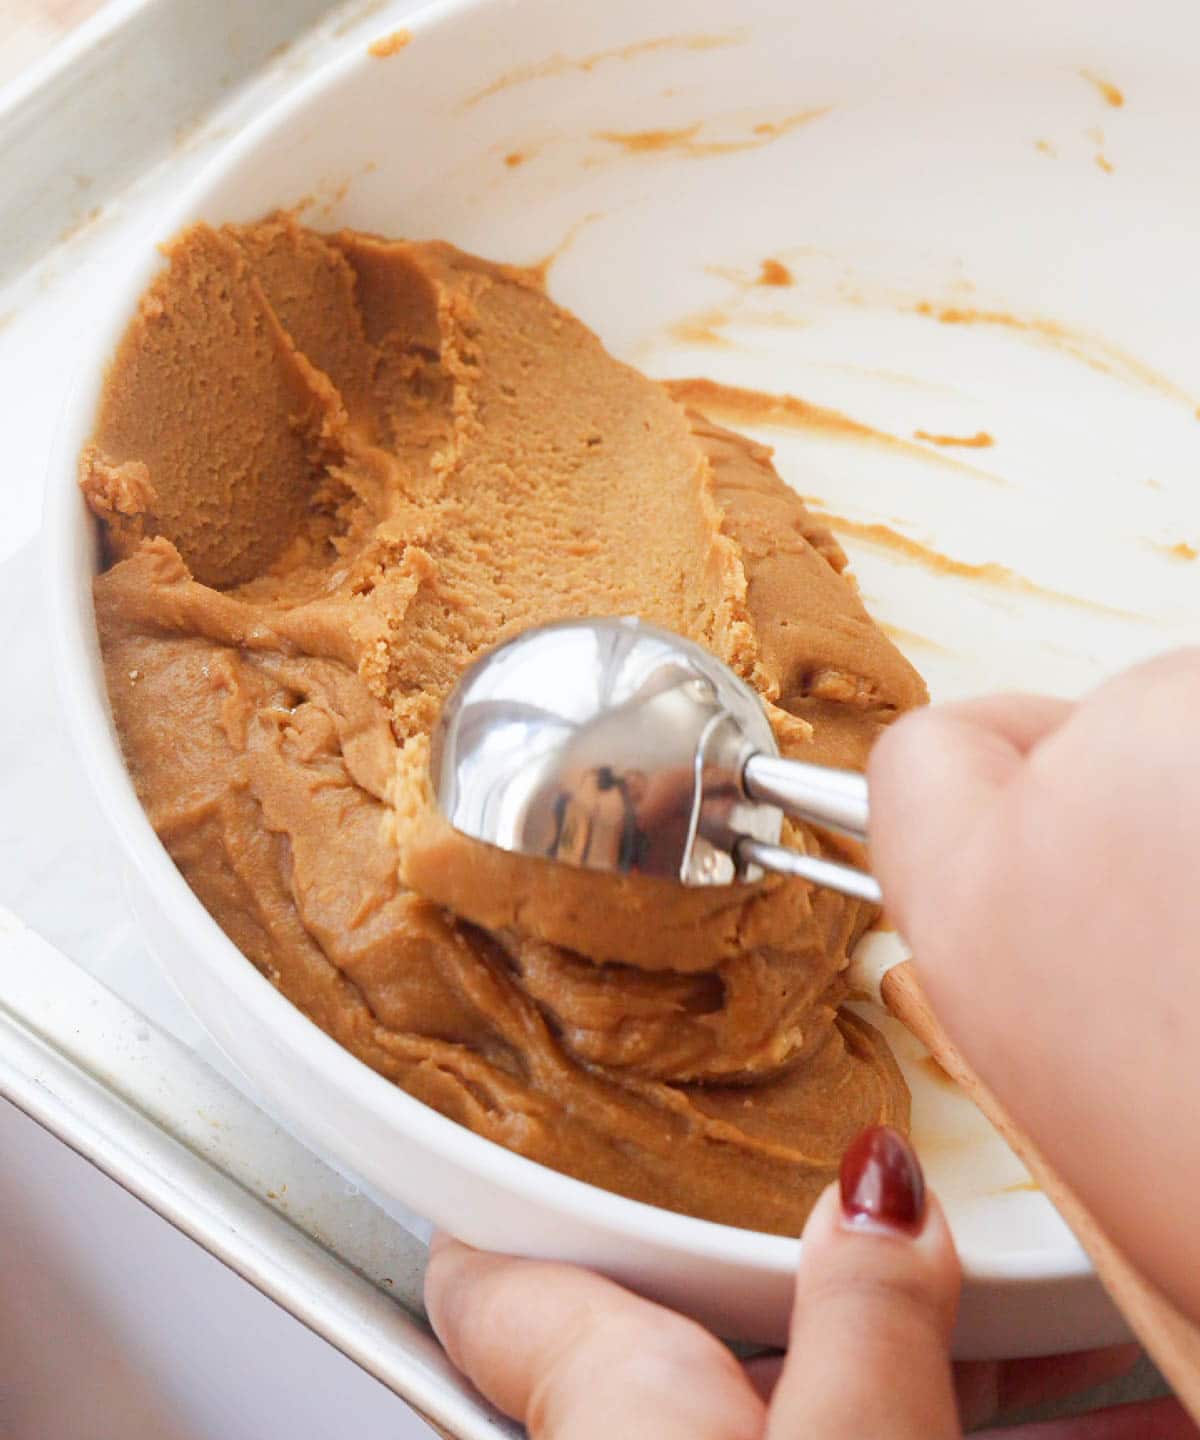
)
(940, 262)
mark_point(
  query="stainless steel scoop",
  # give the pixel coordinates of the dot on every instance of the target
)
(613, 745)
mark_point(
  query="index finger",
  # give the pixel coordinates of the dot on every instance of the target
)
(934, 774)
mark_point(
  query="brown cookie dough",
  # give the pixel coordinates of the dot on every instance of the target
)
(333, 470)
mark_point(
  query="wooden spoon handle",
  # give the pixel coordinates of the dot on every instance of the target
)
(1171, 1340)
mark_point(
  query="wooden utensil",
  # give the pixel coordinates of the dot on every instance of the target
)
(1171, 1340)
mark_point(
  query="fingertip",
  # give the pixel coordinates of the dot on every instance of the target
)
(913, 757)
(881, 1181)
(907, 733)
(933, 777)
(861, 1233)
(446, 1278)
(829, 1226)
(902, 804)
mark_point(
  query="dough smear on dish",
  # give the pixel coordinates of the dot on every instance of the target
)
(334, 469)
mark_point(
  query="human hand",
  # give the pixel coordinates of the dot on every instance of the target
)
(1041, 858)
(575, 1357)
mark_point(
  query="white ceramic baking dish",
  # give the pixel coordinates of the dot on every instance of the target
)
(981, 241)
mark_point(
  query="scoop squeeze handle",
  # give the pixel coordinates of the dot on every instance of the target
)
(834, 799)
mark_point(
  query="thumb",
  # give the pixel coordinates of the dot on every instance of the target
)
(876, 1294)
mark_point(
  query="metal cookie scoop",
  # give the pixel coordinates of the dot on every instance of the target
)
(613, 745)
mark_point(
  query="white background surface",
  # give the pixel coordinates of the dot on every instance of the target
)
(113, 1324)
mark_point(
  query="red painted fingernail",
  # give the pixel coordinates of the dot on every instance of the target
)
(881, 1180)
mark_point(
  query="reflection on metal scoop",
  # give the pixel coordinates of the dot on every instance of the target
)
(613, 745)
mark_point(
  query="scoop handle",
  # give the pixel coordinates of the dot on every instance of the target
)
(836, 799)
(829, 873)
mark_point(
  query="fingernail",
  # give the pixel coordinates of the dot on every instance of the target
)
(881, 1181)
